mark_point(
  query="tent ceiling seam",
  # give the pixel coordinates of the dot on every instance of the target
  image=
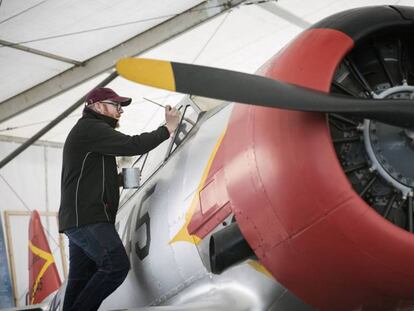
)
(39, 52)
(106, 60)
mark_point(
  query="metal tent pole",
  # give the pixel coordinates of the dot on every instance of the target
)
(48, 127)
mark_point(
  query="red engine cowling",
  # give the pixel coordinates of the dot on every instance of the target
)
(292, 199)
(278, 172)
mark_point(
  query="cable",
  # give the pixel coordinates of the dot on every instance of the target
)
(27, 207)
(22, 12)
(258, 2)
(17, 195)
(249, 44)
(107, 27)
(211, 37)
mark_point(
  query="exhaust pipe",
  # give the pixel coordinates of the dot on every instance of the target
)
(227, 248)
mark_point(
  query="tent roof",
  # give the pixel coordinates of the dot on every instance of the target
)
(66, 47)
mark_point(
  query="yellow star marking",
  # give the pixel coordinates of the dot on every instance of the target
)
(49, 260)
(183, 234)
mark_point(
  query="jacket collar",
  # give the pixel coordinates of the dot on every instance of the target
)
(89, 113)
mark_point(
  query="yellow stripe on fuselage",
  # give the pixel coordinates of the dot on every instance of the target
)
(260, 268)
(183, 234)
(155, 73)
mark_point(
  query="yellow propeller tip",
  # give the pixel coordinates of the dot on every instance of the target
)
(151, 72)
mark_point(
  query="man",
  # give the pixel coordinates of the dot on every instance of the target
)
(98, 263)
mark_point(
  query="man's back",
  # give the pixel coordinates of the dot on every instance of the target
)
(89, 190)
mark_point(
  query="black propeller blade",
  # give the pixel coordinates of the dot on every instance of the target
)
(257, 90)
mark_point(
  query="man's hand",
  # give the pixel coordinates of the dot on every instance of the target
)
(172, 117)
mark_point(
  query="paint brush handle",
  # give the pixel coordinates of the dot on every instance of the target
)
(151, 101)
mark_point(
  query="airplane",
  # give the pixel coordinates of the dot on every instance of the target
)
(290, 189)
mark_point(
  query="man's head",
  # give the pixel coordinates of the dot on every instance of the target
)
(105, 101)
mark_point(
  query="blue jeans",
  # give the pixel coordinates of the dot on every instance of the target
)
(98, 264)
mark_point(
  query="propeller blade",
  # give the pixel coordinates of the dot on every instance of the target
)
(261, 91)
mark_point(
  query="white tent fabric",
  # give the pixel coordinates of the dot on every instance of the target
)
(75, 29)
(240, 39)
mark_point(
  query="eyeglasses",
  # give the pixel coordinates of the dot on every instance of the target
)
(117, 105)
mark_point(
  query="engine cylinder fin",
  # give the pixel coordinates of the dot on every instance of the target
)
(404, 75)
(340, 127)
(344, 119)
(376, 157)
(359, 77)
(346, 139)
(389, 205)
(368, 185)
(344, 89)
(384, 66)
(355, 167)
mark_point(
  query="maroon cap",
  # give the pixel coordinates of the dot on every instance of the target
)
(105, 93)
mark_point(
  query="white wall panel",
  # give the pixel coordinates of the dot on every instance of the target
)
(26, 176)
(54, 166)
(34, 176)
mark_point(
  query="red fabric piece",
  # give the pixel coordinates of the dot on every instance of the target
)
(43, 275)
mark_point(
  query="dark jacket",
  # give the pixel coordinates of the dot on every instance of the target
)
(89, 188)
